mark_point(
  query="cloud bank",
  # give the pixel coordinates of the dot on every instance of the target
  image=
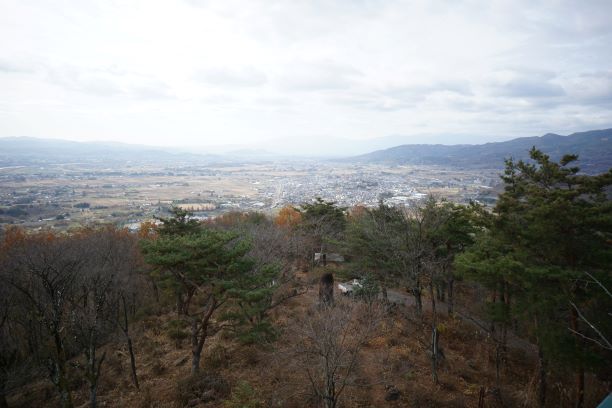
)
(240, 72)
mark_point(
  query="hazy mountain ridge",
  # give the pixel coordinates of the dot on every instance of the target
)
(30, 150)
(594, 149)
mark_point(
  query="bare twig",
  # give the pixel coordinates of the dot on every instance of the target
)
(606, 343)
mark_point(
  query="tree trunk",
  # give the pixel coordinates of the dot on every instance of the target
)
(199, 332)
(580, 387)
(179, 305)
(416, 292)
(155, 290)
(61, 383)
(196, 350)
(65, 397)
(434, 335)
(3, 401)
(541, 367)
(441, 291)
(493, 301)
(330, 389)
(59, 373)
(434, 354)
(93, 395)
(93, 383)
(497, 364)
(132, 363)
(93, 371)
(451, 299)
(434, 314)
(133, 305)
(128, 339)
(195, 362)
(541, 378)
(481, 398)
(326, 290)
(580, 371)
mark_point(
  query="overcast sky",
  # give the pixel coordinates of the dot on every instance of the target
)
(241, 72)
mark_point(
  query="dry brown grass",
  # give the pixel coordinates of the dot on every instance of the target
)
(397, 356)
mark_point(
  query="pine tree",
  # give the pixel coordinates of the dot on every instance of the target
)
(551, 232)
(202, 268)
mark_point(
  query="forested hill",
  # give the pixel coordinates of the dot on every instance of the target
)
(593, 147)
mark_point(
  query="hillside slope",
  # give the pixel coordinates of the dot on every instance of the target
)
(594, 149)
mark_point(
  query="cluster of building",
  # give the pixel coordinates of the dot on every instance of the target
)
(130, 195)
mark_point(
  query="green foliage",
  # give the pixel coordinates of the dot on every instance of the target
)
(551, 226)
(398, 245)
(252, 297)
(376, 240)
(176, 329)
(204, 258)
(180, 223)
(243, 396)
(323, 221)
(369, 289)
(189, 258)
(327, 211)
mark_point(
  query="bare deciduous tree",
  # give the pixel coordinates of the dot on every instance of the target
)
(62, 289)
(43, 271)
(328, 346)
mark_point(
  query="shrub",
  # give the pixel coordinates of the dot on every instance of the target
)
(369, 289)
(203, 386)
(216, 357)
(175, 329)
(243, 396)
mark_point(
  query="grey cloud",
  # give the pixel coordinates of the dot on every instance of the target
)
(16, 67)
(576, 20)
(591, 87)
(320, 76)
(274, 101)
(373, 104)
(528, 88)
(373, 101)
(90, 82)
(232, 77)
(524, 83)
(420, 91)
(394, 97)
(219, 99)
(151, 90)
(108, 82)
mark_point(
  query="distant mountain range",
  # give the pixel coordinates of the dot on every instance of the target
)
(594, 149)
(19, 151)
